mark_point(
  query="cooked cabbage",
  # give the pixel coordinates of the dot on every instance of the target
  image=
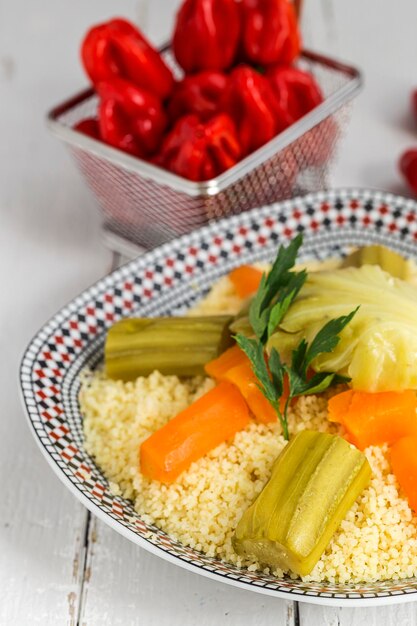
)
(378, 348)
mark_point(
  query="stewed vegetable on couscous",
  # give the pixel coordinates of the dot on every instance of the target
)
(275, 427)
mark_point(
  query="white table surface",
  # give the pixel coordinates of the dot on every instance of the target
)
(58, 565)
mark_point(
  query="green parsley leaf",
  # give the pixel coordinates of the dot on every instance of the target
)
(276, 287)
(325, 341)
(328, 337)
(275, 295)
(257, 312)
(282, 265)
(255, 353)
(277, 372)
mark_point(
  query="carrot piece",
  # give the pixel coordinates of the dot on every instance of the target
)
(375, 418)
(245, 280)
(228, 359)
(404, 465)
(245, 380)
(234, 366)
(215, 417)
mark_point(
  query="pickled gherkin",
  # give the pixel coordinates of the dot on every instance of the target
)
(314, 482)
(172, 345)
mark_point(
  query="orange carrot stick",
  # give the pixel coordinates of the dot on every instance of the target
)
(245, 380)
(375, 418)
(214, 418)
(245, 280)
(404, 465)
(234, 366)
(228, 359)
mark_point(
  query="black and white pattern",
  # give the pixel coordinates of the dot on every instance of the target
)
(171, 278)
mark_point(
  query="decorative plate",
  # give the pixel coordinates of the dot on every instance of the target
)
(171, 278)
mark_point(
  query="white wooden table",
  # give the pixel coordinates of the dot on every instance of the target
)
(57, 564)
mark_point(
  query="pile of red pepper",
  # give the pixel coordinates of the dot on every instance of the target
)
(240, 86)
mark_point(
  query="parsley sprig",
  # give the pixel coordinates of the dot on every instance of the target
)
(269, 306)
(276, 292)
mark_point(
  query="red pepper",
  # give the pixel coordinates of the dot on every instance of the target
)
(131, 118)
(200, 94)
(200, 151)
(206, 34)
(408, 168)
(118, 49)
(270, 31)
(296, 91)
(250, 101)
(90, 127)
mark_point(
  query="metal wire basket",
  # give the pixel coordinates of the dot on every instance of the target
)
(144, 205)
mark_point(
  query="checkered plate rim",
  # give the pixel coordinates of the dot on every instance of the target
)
(171, 278)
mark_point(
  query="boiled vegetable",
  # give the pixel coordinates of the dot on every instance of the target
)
(377, 349)
(246, 381)
(404, 465)
(174, 345)
(215, 417)
(315, 480)
(387, 259)
(375, 418)
(230, 358)
(298, 376)
(245, 280)
(234, 367)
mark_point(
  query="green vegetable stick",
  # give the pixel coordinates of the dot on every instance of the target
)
(174, 345)
(315, 480)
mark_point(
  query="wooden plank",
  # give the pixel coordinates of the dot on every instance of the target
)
(50, 250)
(128, 585)
(41, 539)
(403, 615)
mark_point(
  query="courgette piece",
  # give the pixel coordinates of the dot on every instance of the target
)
(387, 259)
(172, 345)
(315, 480)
